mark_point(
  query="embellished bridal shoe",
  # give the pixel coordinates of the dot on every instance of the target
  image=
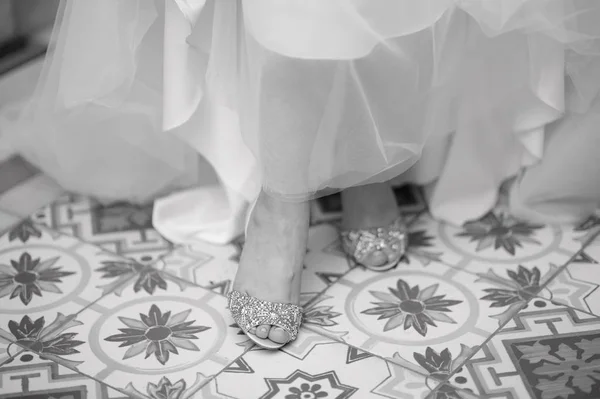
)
(391, 240)
(249, 313)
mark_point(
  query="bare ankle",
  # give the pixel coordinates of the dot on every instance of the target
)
(273, 256)
(369, 206)
(280, 214)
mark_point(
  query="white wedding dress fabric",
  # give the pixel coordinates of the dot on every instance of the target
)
(307, 97)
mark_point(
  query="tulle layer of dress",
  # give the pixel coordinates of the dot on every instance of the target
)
(305, 97)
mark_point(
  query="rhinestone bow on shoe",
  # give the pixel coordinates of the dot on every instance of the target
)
(250, 312)
(360, 243)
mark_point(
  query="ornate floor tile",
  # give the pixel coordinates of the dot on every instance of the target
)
(591, 252)
(140, 343)
(499, 239)
(547, 351)
(588, 233)
(315, 367)
(427, 319)
(27, 376)
(7, 351)
(44, 333)
(527, 278)
(425, 245)
(577, 286)
(210, 266)
(214, 267)
(121, 228)
(41, 269)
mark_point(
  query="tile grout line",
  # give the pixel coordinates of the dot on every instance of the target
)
(66, 321)
(45, 227)
(340, 341)
(126, 282)
(523, 307)
(480, 347)
(561, 268)
(455, 371)
(494, 333)
(447, 380)
(320, 294)
(440, 384)
(163, 256)
(214, 377)
(76, 236)
(309, 328)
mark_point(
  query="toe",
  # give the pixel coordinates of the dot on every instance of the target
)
(391, 254)
(279, 335)
(375, 259)
(263, 331)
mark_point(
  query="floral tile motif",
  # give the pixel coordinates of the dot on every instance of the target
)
(500, 231)
(317, 315)
(407, 306)
(121, 228)
(521, 281)
(315, 367)
(43, 333)
(138, 343)
(425, 245)
(28, 376)
(545, 351)
(500, 239)
(575, 285)
(124, 275)
(31, 276)
(41, 269)
(426, 319)
(214, 267)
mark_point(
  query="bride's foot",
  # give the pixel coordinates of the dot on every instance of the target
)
(372, 231)
(271, 262)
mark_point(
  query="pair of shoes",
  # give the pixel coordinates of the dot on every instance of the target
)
(249, 312)
(392, 240)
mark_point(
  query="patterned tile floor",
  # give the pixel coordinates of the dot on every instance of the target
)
(94, 303)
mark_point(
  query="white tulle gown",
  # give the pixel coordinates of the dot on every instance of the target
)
(305, 97)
